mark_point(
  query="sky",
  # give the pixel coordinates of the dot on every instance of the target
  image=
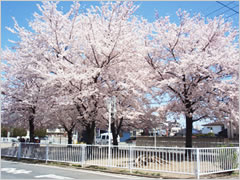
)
(23, 11)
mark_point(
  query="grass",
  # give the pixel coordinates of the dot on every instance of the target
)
(77, 165)
(146, 173)
(96, 167)
(155, 174)
(140, 172)
(123, 171)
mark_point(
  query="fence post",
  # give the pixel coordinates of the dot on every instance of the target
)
(47, 153)
(83, 147)
(197, 170)
(130, 158)
(19, 150)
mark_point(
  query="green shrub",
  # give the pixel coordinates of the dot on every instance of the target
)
(206, 135)
(19, 132)
(210, 134)
(4, 132)
(40, 133)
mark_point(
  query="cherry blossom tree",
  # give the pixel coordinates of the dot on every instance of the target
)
(125, 115)
(113, 46)
(195, 62)
(23, 94)
(66, 117)
(77, 52)
(107, 43)
(42, 51)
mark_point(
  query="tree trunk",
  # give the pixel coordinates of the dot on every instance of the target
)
(189, 127)
(90, 128)
(69, 136)
(31, 125)
(114, 134)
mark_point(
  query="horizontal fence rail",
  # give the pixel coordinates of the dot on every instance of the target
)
(192, 161)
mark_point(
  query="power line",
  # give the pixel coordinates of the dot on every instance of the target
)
(231, 15)
(219, 9)
(227, 7)
(228, 10)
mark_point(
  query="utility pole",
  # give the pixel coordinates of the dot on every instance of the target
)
(109, 129)
(95, 135)
(111, 102)
(155, 138)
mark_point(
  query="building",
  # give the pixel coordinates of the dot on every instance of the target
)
(214, 127)
(182, 132)
(167, 128)
(59, 136)
(229, 128)
(174, 128)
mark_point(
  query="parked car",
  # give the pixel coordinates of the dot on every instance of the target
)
(103, 139)
(36, 140)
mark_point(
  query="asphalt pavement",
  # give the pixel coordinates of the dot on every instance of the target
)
(19, 170)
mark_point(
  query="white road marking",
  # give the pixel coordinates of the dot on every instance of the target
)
(15, 171)
(53, 176)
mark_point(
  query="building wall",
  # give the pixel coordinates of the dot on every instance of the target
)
(57, 139)
(59, 136)
(180, 141)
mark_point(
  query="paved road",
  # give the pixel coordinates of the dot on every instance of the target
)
(19, 170)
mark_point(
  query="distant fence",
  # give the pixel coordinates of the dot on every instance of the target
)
(197, 142)
(192, 161)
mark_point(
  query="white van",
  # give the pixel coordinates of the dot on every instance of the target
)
(103, 139)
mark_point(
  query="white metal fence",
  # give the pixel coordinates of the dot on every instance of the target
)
(192, 161)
